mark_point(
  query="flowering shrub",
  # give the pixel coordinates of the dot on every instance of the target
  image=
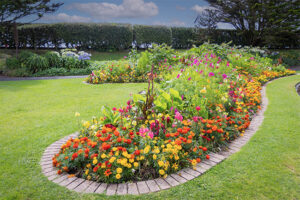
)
(202, 103)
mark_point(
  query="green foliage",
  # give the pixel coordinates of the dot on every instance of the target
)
(53, 59)
(144, 63)
(182, 37)
(146, 35)
(24, 55)
(12, 63)
(159, 53)
(36, 63)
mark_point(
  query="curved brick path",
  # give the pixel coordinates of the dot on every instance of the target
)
(143, 187)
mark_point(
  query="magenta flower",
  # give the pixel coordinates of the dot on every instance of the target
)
(227, 64)
(178, 75)
(125, 57)
(224, 76)
(114, 108)
(198, 108)
(178, 116)
(211, 74)
(189, 78)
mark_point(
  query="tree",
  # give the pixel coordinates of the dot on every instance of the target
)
(206, 23)
(13, 10)
(260, 21)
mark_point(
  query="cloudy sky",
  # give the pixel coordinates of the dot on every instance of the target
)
(151, 12)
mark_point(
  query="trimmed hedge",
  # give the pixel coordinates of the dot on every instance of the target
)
(146, 35)
(84, 35)
(182, 37)
(110, 37)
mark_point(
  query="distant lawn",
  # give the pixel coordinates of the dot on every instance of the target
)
(34, 114)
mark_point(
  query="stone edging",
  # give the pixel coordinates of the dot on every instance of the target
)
(143, 187)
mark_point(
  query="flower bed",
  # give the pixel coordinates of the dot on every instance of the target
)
(205, 100)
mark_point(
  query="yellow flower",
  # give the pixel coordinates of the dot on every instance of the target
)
(87, 172)
(119, 170)
(103, 156)
(118, 176)
(95, 161)
(89, 177)
(88, 165)
(160, 163)
(77, 114)
(161, 172)
(203, 91)
(154, 157)
(135, 164)
(86, 124)
(112, 159)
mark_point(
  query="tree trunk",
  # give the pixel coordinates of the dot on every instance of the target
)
(16, 36)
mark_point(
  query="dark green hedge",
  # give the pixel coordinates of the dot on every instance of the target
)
(84, 35)
(106, 37)
(182, 37)
(145, 35)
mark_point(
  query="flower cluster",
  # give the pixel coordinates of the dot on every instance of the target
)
(202, 103)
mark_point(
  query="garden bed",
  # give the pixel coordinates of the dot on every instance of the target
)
(206, 100)
(142, 187)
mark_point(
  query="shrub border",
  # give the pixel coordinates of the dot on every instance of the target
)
(143, 187)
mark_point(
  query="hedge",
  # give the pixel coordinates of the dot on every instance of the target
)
(106, 37)
(146, 35)
(182, 37)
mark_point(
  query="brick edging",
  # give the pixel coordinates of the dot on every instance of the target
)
(143, 187)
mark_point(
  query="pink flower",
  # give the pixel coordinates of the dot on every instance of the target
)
(211, 74)
(227, 64)
(114, 108)
(150, 134)
(224, 76)
(125, 56)
(198, 108)
(178, 75)
(178, 116)
(189, 78)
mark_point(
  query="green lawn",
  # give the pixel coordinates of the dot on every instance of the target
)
(34, 114)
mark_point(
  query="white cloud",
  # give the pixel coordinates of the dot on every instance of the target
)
(63, 17)
(200, 9)
(128, 9)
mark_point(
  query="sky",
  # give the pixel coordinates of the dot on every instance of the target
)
(150, 12)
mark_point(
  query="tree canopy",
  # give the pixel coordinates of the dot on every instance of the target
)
(260, 22)
(13, 10)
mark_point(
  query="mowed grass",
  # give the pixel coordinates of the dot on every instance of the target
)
(34, 114)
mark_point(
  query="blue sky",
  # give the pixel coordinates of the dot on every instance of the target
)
(151, 12)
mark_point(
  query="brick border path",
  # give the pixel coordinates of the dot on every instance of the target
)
(143, 187)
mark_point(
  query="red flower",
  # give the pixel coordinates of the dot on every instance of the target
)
(207, 156)
(137, 152)
(75, 155)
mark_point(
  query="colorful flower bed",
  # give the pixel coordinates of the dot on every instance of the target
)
(205, 100)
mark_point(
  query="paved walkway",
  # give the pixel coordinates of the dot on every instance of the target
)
(6, 78)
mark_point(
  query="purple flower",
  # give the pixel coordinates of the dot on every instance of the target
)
(125, 57)
(224, 76)
(189, 78)
(211, 74)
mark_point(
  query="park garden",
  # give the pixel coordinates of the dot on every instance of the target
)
(122, 111)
